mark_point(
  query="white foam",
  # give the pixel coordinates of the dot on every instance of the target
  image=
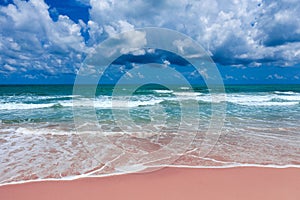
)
(262, 99)
(56, 97)
(23, 106)
(187, 94)
(163, 91)
(251, 103)
(119, 103)
(29, 106)
(70, 178)
(132, 168)
(97, 103)
(289, 98)
(248, 99)
(215, 98)
(43, 131)
(7, 130)
(184, 88)
(22, 98)
(286, 92)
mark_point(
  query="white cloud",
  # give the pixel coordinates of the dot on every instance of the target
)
(128, 42)
(29, 76)
(278, 76)
(269, 77)
(228, 77)
(141, 76)
(31, 40)
(239, 32)
(128, 74)
(275, 76)
(166, 63)
(203, 72)
(9, 68)
(248, 32)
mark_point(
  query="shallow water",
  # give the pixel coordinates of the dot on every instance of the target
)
(132, 132)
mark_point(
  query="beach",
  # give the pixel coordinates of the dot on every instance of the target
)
(50, 149)
(156, 100)
(169, 183)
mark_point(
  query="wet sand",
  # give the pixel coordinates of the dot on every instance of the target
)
(169, 183)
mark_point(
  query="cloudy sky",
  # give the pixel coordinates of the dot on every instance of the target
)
(251, 41)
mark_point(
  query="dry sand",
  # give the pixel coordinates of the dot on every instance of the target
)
(169, 183)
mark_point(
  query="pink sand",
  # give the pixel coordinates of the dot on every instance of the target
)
(169, 183)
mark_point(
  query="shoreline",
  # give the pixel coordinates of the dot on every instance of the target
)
(83, 176)
(176, 183)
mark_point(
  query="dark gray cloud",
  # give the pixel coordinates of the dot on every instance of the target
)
(157, 56)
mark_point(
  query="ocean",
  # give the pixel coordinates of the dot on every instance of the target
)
(48, 132)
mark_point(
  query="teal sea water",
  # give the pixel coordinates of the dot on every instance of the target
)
(40, 140)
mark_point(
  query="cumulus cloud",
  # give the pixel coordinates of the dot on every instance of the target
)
(249, 32)
(31, 41)
(275, 76)
(240, 33)
(9, 68)
(228, 77)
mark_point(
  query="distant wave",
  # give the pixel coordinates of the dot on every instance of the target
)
(285, 92)
(187, 94)
(164, 91)
(24, 106)
(255, 99)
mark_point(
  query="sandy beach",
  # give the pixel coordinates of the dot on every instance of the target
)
(149, 100)
(169, 183)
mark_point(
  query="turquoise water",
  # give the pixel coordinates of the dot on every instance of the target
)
(40, 138)
(52, 103)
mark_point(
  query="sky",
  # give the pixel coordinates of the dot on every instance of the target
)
(251, 41)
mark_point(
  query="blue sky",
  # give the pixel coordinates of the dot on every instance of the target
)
(251, 41)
